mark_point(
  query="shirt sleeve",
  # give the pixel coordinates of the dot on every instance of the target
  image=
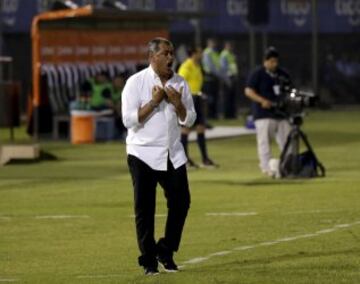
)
(224, 65)
(188, 102)
(207, 61)
(130, 103)
(253, 81)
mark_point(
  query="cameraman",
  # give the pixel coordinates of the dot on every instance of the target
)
(264, 88)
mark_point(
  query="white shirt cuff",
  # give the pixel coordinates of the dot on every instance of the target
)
(189, 119)
(131, 119)
(134, 118)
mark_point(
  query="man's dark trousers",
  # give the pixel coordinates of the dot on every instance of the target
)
(176, 189)
(230, 98)
(211, 88)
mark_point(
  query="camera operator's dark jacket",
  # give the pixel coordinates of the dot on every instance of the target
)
(266, 84)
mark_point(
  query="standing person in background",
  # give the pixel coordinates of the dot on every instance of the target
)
(211, 87)
(155, 103)
(264, 89)
(229, 70)
(118, 84)
(191, 71)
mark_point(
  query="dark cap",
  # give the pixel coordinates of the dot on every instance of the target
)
(271, 52)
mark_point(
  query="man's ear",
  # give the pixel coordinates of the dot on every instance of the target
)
(151, 55)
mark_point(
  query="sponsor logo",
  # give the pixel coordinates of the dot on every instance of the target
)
(349, 9)
(237, 7)
(298, 11)
(188, 5)
(9, 8)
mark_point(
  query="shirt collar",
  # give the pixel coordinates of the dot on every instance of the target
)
(152, 72)
(155, 76)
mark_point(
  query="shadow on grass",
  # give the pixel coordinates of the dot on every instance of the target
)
(255, 182)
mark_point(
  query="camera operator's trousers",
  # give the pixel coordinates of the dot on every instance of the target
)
(266, 130)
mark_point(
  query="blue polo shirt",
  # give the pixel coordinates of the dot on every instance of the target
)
(266, 85)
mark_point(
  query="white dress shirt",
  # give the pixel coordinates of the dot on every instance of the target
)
(158, 137)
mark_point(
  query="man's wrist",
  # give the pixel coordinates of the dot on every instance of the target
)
(178, 104)
(153, 104)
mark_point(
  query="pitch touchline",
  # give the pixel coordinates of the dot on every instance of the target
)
(62, 216)
(231, 214)
(270, 243)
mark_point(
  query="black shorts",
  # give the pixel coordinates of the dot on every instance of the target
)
(199, 108)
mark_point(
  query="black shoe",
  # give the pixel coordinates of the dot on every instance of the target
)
(151, 271)
(190, 164)
(168, 264)
(150, 264)
(207, 163)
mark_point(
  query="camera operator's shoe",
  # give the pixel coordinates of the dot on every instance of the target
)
(209, 164)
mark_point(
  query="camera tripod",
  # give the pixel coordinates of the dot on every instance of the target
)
(292, 162)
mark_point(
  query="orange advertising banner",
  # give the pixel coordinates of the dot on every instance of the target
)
(64, 46)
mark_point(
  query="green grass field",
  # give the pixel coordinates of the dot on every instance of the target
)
(297, 231)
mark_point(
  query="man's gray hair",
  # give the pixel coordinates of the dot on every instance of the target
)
(154, 44)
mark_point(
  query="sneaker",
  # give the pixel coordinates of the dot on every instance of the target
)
(168, 264)
(191, 164)
(209, 164)
(149, 271)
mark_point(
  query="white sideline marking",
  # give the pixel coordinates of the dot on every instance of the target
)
(8, 280)
(271, 243)
(196, 260)
(313, 211)
(62, 217)
(225, 252)
(244, 247)
(231, 214)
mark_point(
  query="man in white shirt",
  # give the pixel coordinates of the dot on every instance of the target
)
(156, 102)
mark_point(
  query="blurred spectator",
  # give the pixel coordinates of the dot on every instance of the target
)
(229, 71)
(191, 71)
(118, 84)
(98, 89)
(211, 65)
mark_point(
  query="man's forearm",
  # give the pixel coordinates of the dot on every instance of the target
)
(251, 94)
(180, 111)
(145, 111)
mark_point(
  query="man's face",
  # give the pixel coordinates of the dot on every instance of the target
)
(272, 63)
(212, 43)
(163, 59)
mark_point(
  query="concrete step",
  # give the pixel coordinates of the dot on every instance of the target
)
(223, 132)
(18, 152)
